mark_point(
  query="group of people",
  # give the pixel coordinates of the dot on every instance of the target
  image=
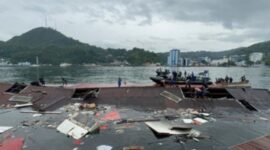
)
(225, 80)
(230, 79)
(119, 82)
(243, 78)
(41, 82)
(175, 75)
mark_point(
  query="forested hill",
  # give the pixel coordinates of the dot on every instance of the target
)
(43, 37)
(53, 47)
(263, 47)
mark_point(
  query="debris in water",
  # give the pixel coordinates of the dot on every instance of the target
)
(4, 128)
(104, 147)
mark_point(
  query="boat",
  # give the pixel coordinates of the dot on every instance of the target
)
(163, 78)
(228, 83)
(65, 65)
(232, 85)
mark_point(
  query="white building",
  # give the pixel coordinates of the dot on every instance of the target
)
(241, 63)
(255, 57)
(206, 59)
(26, 63)
(217, 62)
(174, 58)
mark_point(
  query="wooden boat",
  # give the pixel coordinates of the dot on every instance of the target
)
(162, 81)
(163, 78)
(232, 85)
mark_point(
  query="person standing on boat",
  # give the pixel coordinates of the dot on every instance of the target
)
(192, 77)
(174, 73)
(243, 78)
(185, 74)
(230, 79)
(42, 81)
(180, 74)
(119, 82)
(188, 84)
(227, 79)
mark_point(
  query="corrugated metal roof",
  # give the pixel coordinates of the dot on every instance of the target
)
(262, 143)
(48, 98)
(258, 98)
(43, 98)
(150, 97)
(4, 97)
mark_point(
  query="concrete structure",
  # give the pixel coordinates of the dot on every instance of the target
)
(26, 63)
(255, 57)
(219, 61)
(174, 58)
(205, 59)
(235, 58)
(241, 63)
(3, 62)
(185, 62)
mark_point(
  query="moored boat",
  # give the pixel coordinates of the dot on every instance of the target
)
(164, 78)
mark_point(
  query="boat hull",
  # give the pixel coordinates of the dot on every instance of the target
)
(161, 81)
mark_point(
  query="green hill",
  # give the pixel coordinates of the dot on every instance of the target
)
(52, 47)
(40, 37)
(263, 47)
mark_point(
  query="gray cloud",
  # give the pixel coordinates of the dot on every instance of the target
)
(237, 22)
(229, 13)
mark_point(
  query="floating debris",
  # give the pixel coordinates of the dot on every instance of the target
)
(104, 147)
(113, 115)
(21, 98)
(187, 121)
(133, 148)
(162, 127)
(70, 128)
(23, 105)
(199, 121)
(12, 144)
(171, 96)
(4, 128)
(42, 112)
(87, 106)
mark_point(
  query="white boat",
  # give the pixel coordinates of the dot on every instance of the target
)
(65, 64)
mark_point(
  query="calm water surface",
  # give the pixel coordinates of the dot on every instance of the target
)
(259, 77)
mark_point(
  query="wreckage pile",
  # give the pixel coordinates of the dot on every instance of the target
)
(79, 116)
(80, 122)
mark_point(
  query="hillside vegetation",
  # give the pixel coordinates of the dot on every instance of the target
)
(53, 47)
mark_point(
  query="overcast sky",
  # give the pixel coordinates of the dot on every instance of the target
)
(156, 25)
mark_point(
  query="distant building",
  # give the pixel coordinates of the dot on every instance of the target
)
(204, 59)
(3, 62)
(241, 63)
(174, 58)
(255, 57)
(238, 60)
(185, 62)
(26, 63)
(217, 62)
(235, 58)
